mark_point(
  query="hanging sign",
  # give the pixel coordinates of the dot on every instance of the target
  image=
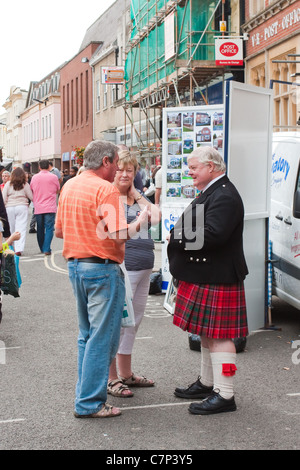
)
(222, 26)
(112, 75)
(229, 51)
(169, 36)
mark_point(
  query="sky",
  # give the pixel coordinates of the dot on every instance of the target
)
(36, 37)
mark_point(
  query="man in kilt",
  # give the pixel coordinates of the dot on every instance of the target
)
(206, 257)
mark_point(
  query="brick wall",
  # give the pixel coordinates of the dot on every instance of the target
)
(77, 102)
(278, 27)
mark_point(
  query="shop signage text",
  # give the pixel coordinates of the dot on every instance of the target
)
(276, 27)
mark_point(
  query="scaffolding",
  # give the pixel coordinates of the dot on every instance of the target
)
(169, 60)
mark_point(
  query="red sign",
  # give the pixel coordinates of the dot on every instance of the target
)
(229, 49)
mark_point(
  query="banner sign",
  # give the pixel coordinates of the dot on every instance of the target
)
(112, 75)
(229, 51)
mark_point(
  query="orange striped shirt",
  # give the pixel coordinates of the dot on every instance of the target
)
(89, 208)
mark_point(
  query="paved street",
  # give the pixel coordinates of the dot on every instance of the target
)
(38, 375)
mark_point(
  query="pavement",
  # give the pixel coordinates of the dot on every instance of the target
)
(38, 373)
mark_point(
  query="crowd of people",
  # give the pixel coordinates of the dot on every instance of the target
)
(20, 189)
(103, 216)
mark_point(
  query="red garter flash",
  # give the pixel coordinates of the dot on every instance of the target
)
(228, 369)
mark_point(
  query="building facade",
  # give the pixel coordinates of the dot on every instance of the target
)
(76, 104)
(2, 137)
(14, 106)
(41, 132)
(273, 55)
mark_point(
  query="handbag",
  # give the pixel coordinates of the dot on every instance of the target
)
(9, 278)
(150, 191)
(128, 312)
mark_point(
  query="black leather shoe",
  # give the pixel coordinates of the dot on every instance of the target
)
(195, 390)
(213, 404)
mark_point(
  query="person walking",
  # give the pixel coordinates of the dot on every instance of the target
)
(16, 196)
(92, 223)
(45, 186)
(206, 258)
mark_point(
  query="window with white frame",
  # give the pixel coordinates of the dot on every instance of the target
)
(256, 6)
(114, 93)
(105, 96)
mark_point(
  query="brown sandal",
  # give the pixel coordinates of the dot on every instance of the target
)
(107, 411)
(136, 381)
(118, 391)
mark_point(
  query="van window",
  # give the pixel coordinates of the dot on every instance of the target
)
(284, 170)
(298, 182)
(296, 208)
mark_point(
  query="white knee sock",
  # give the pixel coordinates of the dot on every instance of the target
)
(206, 377)
(223, 365)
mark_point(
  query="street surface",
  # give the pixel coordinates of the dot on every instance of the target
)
(38, 373)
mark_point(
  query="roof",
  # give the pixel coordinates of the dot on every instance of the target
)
(104, 29)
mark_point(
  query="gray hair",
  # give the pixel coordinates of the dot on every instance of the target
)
(207, 154)
(96, 151)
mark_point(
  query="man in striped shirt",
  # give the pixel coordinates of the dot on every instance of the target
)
(91, 220)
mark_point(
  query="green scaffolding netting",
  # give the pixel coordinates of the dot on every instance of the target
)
(145, 63)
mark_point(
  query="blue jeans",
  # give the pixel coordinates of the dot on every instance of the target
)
(45, 229)
(99, 290)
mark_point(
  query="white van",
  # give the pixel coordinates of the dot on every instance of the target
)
(284, 225)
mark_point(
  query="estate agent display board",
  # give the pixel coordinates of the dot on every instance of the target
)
(241, 130)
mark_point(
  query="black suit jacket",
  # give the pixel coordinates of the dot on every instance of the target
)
(217, 257)
(3, 217)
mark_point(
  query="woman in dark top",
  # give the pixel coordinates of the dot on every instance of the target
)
(139, 261)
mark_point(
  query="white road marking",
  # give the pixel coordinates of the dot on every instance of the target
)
(12, 421)
(159, 405)
(54, 268)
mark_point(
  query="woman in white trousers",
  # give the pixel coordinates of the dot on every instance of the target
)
(139, 260)
(17, 196)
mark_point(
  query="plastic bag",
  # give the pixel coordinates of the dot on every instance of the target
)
(150, 191)
(9, 278)
(128, 312)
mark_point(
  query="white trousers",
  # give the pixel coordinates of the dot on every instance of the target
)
(17, 218)
(140, 282)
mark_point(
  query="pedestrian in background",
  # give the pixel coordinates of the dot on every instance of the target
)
(16, 196)
(45, 186)
(67, 176)
(91, 221)
(207, 259)
(55, 171)
(5, 178)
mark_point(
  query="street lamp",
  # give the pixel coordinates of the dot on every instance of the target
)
(39, 101)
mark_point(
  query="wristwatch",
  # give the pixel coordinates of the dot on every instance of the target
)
(139, 197)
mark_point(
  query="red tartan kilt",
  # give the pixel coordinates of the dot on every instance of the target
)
(214, 311)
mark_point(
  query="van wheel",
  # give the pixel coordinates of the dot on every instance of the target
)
(195, 343)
